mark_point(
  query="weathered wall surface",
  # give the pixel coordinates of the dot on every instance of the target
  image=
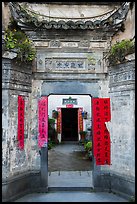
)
(35, 96)
(70, 11)
(122, 93)
(71, 64)
(68, 62)
(16, 80)
(5, 15)
(122, 127)
(129, 31)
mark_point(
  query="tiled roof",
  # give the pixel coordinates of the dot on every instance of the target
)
(110, 21)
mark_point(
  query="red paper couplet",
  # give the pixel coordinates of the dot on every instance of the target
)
(43, 121)
(101, 136)
(105, 108)
(97, 131)
(21, 104)
(59, 125)
(106, 146)
(80, 120)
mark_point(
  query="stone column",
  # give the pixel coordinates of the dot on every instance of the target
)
(44, 167)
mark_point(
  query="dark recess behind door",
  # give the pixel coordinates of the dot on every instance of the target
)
(69, 124)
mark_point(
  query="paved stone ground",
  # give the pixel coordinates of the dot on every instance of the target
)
(72, 197)
(68, 157)
(69, 180)
(69, 167)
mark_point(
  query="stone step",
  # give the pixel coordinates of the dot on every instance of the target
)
(82, 189)
(70, 179)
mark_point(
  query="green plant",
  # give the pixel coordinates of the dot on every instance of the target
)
(88, 146)
(51, 144)
(54, 114)
(82, 132)
(51, 121)
(52, 133)
(119, 50)
(132, 199)
(88, 149)
(17, 40)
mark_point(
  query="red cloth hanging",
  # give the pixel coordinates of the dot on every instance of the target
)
(21, 104)
(43, 122)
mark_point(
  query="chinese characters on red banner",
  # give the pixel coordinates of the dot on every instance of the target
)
(101, 136)
(80, 120)
(59, 121)
(21, 104)
(43, 122)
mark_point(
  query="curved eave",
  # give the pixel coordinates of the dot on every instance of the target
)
(113, 23)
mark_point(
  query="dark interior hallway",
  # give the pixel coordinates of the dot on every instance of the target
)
(69, 124)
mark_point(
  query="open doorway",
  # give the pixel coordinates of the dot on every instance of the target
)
(69, 124)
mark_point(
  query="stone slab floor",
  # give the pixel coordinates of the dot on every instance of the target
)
(70, 178)
(72, 197)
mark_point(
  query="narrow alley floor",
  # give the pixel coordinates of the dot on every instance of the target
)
(68, 156)
(68, 166)
(72, 197)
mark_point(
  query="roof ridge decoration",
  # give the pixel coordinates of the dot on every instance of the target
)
(109, 21)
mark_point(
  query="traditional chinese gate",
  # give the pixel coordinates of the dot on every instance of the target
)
(101, 137)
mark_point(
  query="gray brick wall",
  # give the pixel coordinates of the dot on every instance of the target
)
(122, 94)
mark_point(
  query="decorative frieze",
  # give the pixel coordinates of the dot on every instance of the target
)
(20, 77)
(122, 75)
(51, 61)
(16, 77)
(84, 43)
(69, 44)
(98, 45)
(18, 87)
(16, 80)
(41, 44)
(55, 43)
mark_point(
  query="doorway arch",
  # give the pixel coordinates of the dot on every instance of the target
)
(67, 109)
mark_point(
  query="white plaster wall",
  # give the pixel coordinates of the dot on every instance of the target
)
(69, 11)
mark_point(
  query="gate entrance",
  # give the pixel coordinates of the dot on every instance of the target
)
(69, 124)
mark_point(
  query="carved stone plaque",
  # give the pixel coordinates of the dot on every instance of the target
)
(64, 63)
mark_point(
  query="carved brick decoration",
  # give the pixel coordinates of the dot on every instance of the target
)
(16, 77)
(122, 75)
